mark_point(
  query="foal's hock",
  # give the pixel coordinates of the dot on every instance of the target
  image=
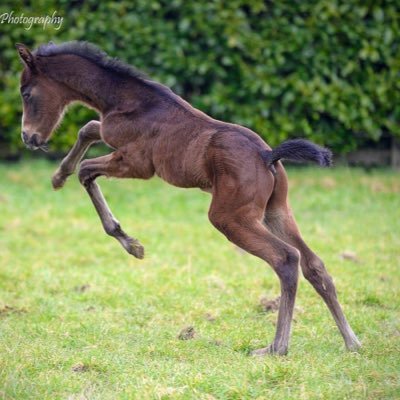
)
(154, 131)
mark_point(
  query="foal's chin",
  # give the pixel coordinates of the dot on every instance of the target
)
(35, 143)
(44, 147)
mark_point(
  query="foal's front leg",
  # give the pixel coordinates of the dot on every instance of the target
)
(110, 166)
(87, 135)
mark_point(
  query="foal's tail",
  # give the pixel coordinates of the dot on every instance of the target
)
(297, 150)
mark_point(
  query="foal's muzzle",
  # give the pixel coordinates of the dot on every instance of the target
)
(34, 142)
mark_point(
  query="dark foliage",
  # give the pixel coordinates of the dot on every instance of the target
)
(327, 71)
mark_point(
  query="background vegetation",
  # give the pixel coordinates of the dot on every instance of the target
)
(323, 69)
(82, 320)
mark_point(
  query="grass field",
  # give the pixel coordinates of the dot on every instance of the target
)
(80, 319)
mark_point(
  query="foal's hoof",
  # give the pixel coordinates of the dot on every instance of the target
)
(134, 247)
(354, 346)
(58, 180)
(271, 349)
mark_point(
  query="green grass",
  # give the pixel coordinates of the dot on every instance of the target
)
(118, 338)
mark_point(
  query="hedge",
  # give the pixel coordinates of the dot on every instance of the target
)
(326, 70)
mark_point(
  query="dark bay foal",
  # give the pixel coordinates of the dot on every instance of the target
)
(154, 131)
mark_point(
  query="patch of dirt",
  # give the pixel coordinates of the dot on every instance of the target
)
(13, 224)
(187, 333)
(7, 310)
(210, 317)
(349, 256)
(299, 309)
(209, 397)
(269, 305)
(328, 183)
(378, 186)
(80, 367)
(86, 394)
(216, 282)
(82, 289)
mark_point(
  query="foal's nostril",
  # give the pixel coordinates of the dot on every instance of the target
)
(24, 136)
(35, 140)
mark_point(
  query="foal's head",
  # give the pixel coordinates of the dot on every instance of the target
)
(43, 101)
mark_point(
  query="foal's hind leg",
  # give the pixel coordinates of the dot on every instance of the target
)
(111, 166)
(238, 216)
(88, 134)
(279, 220)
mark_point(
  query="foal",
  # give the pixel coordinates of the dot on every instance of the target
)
(154, 131)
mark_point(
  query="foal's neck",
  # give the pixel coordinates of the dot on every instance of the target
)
(89, 83)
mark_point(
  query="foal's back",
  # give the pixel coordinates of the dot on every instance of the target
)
(176, 141)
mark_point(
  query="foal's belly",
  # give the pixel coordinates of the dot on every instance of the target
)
(174, 175)
(181, 161)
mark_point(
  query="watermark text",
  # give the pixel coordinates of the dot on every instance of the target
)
(29, 21)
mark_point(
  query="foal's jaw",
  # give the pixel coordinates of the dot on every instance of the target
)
(32, 132)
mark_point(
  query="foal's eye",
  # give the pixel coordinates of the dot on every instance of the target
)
(26, 96)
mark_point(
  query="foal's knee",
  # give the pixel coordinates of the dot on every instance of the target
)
(89, 132)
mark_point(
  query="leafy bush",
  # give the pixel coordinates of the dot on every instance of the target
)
(326, 70)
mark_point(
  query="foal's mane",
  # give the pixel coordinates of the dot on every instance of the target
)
(91, 53)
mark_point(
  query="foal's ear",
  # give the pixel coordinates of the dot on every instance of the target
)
(26, 56)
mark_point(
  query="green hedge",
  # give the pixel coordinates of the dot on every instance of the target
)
(326, 70)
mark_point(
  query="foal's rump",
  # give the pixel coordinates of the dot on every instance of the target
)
(237, 170)
(242, 166)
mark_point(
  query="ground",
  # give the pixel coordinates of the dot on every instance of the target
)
(80, 319)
